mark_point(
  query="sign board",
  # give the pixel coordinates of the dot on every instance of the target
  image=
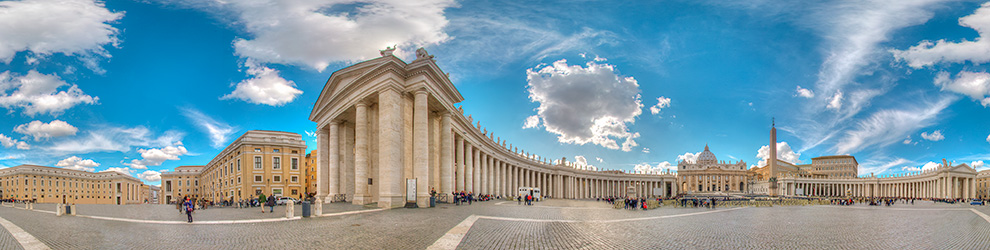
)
(658, 191)
(631, 191)
(798, 191)
(411, 190)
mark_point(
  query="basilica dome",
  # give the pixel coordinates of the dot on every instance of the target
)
(707, 157)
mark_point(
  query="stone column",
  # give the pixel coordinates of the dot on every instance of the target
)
(460, 164)
(322, 164)
(421, 148)
(468, 167)
(476, 177)
(390, 143)
(333, 156)
(484, 173)
(446, 155)
(361, 154)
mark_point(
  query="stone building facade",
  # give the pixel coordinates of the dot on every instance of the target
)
(708, 175)
(58, 185)
(258, 162)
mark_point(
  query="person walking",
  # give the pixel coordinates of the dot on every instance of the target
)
(189, 209)
(261, 202)
(178, 204)
(271, 203)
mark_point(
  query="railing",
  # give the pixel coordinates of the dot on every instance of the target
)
(339, 198)
(443, 198)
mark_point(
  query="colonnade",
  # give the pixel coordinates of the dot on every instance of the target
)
(384, 124)
(925, 187)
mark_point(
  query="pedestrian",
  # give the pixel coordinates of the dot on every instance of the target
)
(189, 209)
(271, 203)
(519, 200)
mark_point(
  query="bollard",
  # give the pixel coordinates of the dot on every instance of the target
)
(74, 209)
(318, 207)
(58, 209)
(290, 209)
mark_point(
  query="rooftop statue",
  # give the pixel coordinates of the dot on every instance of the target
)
(388, 50)
(421, 53)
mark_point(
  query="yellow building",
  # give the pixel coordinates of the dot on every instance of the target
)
(258, 162)
(310, 172)
(58, 185)
(983, 184)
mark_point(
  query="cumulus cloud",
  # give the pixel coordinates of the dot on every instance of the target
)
(531, 122)
(264, 87)
(76, 163)
(889, 126)
(803, 92)
(316, 33)
(580, 162)
(646, 150)
(975, 85)
(836, 101)
(688, 157)
(38, 93)
(44, 27)
(988, 138)
(40, 130)
(930, 166)
(155, 156)
(599, 159)
(124, 170)
(586, 104)
(114, 139)
(977, 165)
(908, 141)
(648, 168)
(8, 142)
(928, 53)
(218, 131)
(662, 102)
(150, 176)
(784, 153)
(933, 136)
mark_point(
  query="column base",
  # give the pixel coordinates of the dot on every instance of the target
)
(423, 201)
(361, 200)
(393, 201)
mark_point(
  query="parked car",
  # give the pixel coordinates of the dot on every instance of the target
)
(284, 200)
(976, 202)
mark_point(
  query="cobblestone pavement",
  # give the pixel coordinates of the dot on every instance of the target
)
(7, 240)
(169, 213)
(553, 224)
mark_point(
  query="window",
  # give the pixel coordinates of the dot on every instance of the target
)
(238, 180)
(257, 162)
(275, 150)
(257, 178)
(238, 165)
(257, 150)
(277, 178)
(276, 162)
(295, 163)
(294, 178)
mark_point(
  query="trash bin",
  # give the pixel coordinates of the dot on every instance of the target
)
(433, 201)
(305, 209)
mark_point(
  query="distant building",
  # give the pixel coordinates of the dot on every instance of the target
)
(258, 162)
(983, 184)
(310, 165)
(58, 185)
(708, 175)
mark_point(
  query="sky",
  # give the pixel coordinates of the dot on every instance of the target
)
(142, 87)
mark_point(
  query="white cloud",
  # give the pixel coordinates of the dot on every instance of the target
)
(888, 126)
(836, 102)
(599, 159)
(531, 122)
(580, 162)
(44, 27)
(586, 104)
(878, 166)
(988, 138)
(315, 33)
(8, 142)
(975, 85)
(264, 87)
(934, 136)
(784, 153)
(40, 130)
(125, 170)
(907, 141)
(39, 93)
(150, 176)
(155, 156)
(218, 131)
(648, 168)
(646, 150)
(930, 166)
(803, 92)
(688, 157)
(662, 102)
(114, 139)
(76, 163)
(928, 53)
(977, 165)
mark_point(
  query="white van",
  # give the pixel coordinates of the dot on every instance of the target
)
(535, 192)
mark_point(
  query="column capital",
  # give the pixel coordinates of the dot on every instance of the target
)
(421, 91)
(361, 104)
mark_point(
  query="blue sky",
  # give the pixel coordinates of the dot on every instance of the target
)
(144, 86)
